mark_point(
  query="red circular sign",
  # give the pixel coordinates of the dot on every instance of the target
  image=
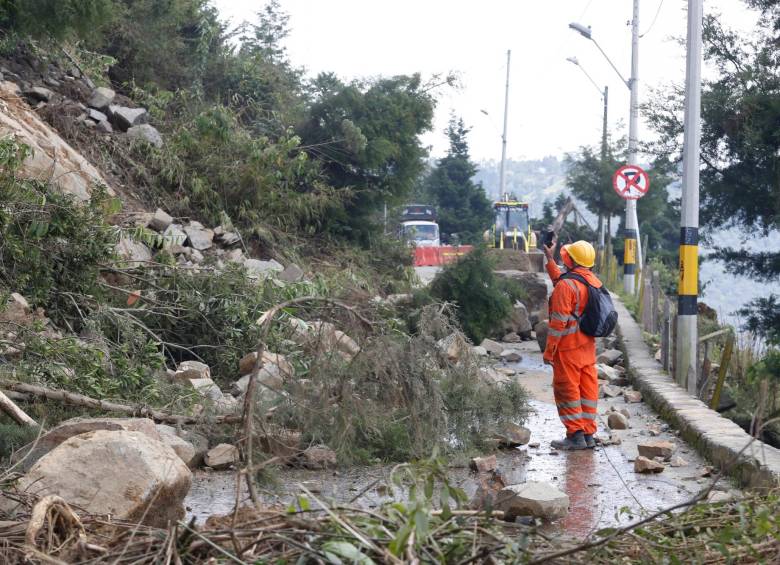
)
(631, 182)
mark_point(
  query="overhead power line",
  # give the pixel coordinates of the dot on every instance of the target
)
(658, 11)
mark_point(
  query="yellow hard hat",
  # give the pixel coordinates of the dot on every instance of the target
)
(581, 253)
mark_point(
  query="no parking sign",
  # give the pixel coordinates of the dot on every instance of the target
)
(631, 182)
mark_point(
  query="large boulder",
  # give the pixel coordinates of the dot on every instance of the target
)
(454, 347)
(38, 94)
(174, 236)
(17, 310)
(133, 253)
(292, 274)
(50, 156)
(222, 456)
(519, 321)
(160, 220)
(146, 133)
(262, 269)
(199, 237)
(535, 286)
(541, 500)
(124, 118)
(124, 474)
(512, 435)
(188, 370)
(101, 98)
(28, 455)
(318, 457)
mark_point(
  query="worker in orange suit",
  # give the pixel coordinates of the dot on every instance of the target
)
(571, 353)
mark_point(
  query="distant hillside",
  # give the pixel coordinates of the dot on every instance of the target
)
(533, 180)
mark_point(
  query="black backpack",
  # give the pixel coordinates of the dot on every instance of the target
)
(600, 317)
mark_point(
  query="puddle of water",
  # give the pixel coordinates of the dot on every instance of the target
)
(598, 482)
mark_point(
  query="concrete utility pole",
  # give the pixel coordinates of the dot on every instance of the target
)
(632, 254)
(502, 176)
(686, 372)
(604, 132)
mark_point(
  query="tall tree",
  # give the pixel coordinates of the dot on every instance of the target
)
(740, 144)
(367, 135)
(590, 179)
(463, 206)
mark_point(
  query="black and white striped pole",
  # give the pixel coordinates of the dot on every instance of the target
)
(686, 373)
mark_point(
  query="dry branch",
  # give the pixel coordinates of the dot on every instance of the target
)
(17, 414)
(75, 399)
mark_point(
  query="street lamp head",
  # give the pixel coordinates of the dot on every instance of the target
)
(573, 60)
(485, 112)
(582, 30)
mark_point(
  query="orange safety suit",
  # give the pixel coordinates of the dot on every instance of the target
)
(571, 352)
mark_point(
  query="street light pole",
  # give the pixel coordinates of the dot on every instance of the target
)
(632, 254)
(603, 160)
(502, 176)
(687, 308)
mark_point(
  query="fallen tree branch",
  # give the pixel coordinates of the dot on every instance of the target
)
(17, 414)
(75, 399)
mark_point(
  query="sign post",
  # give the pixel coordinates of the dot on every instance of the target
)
(631, 183)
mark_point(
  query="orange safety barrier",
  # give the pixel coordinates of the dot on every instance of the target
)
(437, 256)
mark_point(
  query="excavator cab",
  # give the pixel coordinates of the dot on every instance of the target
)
(512, 226)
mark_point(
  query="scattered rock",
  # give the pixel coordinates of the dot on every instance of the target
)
(651, 450)
(207, 389)
(184, 449)
(17, 310)
(229, 238)
(160, 220)
(188, 370)
(125, 118)
(292, 273)
(608, 391)
(606, 372)
(534, 445)
(610, 357)
(261, 269)
(199, 237)
(147, 133)
(644, 465)
(513, 435)
(632, 396)
(488, 486)
(222, 456)
(38, 94)
(506, 371)
(511, 356)
(541, 500)
(133, 253)
(124, 474)
(678, 462)
(318, 457)
(512, 337)
(398, 299)
(484, 464)
(96, 115)
(235, 256)
(541, 330)
(518, 321)
(272, 362)
(479, 351)
(326, 338)
(104, 127)
(492, 347)
(616, 421)
(174, 235)
(101, 98)
(625, 412)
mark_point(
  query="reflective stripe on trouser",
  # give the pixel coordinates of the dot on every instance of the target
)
(576, 389)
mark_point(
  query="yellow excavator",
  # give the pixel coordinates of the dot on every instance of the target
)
(511, 238)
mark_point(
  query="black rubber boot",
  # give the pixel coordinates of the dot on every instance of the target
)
(575, 442)
(590, 441)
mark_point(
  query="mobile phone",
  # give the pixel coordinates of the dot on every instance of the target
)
(548, 238)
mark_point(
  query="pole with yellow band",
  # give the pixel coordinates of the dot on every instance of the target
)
(629, 254)
(687, 341)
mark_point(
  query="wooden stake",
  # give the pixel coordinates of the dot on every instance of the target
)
(17, 414)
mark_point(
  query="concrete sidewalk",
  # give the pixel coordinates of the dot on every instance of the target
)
(718, 439)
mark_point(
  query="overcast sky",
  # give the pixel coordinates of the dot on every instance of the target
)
(553, 108)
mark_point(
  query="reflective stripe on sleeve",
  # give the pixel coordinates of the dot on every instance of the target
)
(561, 333)
(562, 317)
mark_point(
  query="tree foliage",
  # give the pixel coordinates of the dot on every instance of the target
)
(55, 18)
(463, 207)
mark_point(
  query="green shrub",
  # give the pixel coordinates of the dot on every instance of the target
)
(51, 247)
(482, 300)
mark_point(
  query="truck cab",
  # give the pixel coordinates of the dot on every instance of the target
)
(418, 226)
